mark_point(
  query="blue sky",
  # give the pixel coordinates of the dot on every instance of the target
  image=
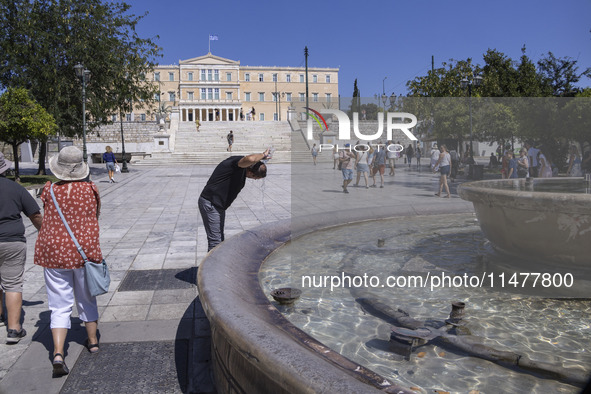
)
(368, 40)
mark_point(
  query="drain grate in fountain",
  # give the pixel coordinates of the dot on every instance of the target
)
(158, 367)
(159, 279)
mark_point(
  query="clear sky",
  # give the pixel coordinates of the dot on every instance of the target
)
(367, 39)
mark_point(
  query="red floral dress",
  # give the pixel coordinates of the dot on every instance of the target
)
(79, 202)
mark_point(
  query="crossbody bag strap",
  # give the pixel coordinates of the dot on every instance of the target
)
(59, 211)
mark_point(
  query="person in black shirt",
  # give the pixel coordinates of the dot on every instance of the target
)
(222, 188)
(14, 199)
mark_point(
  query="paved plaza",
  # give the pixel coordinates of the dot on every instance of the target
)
(153, 332)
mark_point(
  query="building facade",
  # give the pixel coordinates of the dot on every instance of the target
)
(211, 88)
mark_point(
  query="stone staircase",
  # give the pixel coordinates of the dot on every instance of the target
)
(209, 144)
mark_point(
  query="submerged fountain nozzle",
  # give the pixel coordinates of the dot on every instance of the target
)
(286, 295)
(457, 313)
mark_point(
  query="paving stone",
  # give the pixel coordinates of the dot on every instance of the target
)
(159, 279)
(158, 367)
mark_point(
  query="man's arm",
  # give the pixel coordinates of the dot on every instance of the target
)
(36, 219)
(249, 160)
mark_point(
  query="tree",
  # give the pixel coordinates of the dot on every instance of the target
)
(561, 74)
(22, 119)
(356, 103)
(41, 41)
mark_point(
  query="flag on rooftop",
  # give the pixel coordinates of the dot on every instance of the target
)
(213, 37)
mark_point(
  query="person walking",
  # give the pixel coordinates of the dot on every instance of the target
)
(522, 164)
(55, 251)
(335, 157)
(110, 161)
(222, 188)
(513, 166)
(347, 161)
(252, 113)
(314, 151)
(361, 166)
(230, 138)
(574, 162)
(391, 156)
(418, 156)
(14, 199)
(409, 154)
(379, 165)
(434, 157)
(444, 165)
(532, 154)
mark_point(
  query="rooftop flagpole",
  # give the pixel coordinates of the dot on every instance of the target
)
(212, 37)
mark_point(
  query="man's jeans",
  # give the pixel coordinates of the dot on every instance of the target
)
(213, 220)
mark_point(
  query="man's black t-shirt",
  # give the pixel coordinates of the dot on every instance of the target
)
(225, 183)
(14, 199)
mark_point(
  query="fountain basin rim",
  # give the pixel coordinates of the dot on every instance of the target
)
(245, 317)
(484, 191)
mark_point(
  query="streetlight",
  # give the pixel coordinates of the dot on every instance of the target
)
(465, 83)
(84, 76)
(384, 92)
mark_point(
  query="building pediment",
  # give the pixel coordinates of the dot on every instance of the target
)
(209, 59)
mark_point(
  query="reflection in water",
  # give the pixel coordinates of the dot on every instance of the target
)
(512, 318)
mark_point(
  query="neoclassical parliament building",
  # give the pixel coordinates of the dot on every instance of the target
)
(211, 88)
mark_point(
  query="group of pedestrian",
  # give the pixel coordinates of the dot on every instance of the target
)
(77, 198)
(63, 266)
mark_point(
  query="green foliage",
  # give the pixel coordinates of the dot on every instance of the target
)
(22, 119)
(42, 41)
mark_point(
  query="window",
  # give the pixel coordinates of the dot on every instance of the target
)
(228, 76)
(288, 97)
(156, 96)
(209, 75)
(113, 118)
(288, 78)
(143, 117)
(275, 117)
(314, 78)
(261, 96)
(210, 94)
(229, 96)
(328, 97)
(171, 76)
(203, 75)
(156, 76)
(216, 94)
(315, 97)
(190, 76)
(275, 77)
(327, 78)
(128, 117)
(190, 96)
(302, 97)
(216, 75)
(203, 94)
(302, 78)
(171, 96)
(261, 116)
(247, 77)
(247, 96)
(274, 97)
(261, 79)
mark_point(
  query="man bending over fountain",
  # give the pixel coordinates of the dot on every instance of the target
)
(222, 188)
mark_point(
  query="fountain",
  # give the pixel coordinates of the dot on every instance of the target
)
(545, 218)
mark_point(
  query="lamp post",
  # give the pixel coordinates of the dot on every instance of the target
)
(84, 76)
(465, 83)
(384, 92)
